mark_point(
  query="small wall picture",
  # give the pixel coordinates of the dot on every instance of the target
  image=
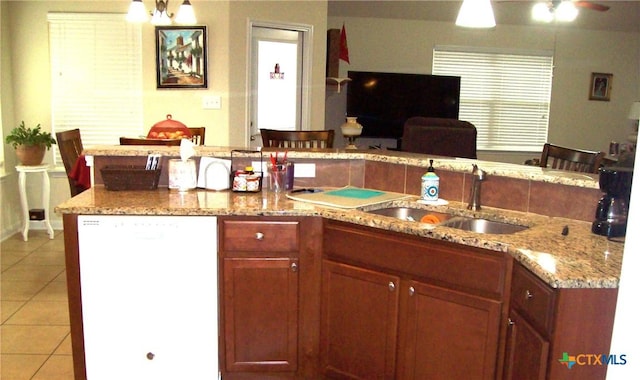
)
(181, 57)
(600, 86)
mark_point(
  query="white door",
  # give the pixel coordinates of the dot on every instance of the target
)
(277, 75)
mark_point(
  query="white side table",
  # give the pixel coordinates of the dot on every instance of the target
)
(22, 181)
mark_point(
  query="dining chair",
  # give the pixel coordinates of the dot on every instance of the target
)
(297, 139)
(70, 146)
(142, 141)
(562, 158)
(197, 135)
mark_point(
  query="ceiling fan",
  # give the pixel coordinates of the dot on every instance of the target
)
(591, 5)
(563, 10)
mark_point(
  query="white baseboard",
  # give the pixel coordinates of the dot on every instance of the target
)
(7, 232)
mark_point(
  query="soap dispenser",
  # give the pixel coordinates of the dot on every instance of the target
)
(430, 185)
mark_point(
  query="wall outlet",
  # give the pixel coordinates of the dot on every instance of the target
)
(211, 102)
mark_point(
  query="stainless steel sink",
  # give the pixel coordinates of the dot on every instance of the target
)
(411, 214)
(478, 225)
(483, 226)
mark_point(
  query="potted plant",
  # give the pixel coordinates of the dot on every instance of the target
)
(30, 143)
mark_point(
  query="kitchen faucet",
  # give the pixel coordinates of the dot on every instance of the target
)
(474, 197)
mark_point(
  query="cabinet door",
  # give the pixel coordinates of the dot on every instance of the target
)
(261, 314)
(448, 334)
(527, 351)
(359, 322)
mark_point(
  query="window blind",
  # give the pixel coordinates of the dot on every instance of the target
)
(96, 76)
(505, 94)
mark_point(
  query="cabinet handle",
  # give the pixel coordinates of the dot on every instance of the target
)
(510, 322)
(150, 355)
(392, 286)
(412, 291)
(294, 267)
(259, 236)
(528, 295)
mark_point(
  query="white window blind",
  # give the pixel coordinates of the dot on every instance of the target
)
(505, 94)
(96, 76)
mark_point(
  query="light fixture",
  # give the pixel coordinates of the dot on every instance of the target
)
(476, 14)
(351, 129)
(186, 15)
(564, 11)
(634, 113)
(160, 14)
(137, 12)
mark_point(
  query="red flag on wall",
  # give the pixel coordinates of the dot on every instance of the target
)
(344, 49)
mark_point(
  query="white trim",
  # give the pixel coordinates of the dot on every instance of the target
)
(307, 31)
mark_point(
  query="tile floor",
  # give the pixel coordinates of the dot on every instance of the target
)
(34, 335)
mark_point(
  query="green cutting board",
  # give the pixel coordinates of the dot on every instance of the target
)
(347, 197)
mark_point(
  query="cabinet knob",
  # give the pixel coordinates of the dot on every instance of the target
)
(294, 267)
(150, 355)
(510, 322)
(392, 286)
(528, 295)
(259, 236)
(412, 291)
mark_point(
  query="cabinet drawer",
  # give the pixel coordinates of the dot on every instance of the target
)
(534, 299)
(259, 236)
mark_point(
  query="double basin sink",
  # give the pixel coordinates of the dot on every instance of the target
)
(466, 223)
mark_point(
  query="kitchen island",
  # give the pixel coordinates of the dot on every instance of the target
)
(574, 275)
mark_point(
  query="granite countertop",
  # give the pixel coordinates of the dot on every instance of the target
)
(579, 259)
(533, 173)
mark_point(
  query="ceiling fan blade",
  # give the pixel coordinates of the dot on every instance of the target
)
(592, 6)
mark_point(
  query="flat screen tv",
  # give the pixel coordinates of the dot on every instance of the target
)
(382, 102)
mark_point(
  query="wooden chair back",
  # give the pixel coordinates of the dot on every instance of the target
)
(197, 135)
(141, 141)
(297, 139)
(577, 160)
(70, 146)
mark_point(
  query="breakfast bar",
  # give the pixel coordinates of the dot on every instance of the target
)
(304, 287)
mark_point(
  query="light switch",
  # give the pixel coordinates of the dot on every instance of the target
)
(211, 102)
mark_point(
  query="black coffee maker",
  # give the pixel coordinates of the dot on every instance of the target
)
(613, 207)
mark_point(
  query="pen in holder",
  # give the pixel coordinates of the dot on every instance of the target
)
(280, 173)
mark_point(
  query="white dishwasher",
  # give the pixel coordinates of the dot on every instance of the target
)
(149, 296)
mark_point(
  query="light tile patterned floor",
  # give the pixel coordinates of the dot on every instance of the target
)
(34, 335)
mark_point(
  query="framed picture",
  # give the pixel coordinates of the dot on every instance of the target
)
(600, 86)
(181, 57)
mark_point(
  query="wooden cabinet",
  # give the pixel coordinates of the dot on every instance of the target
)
(261, 314)
(445, 328)
(265, 321)
(527, 351)
(400, 307)
(546, 325)
(359, 322)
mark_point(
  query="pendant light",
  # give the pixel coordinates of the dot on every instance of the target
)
(476, 14)
(160, 15)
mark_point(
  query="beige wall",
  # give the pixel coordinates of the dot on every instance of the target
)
(26, 87)
(406, 46)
